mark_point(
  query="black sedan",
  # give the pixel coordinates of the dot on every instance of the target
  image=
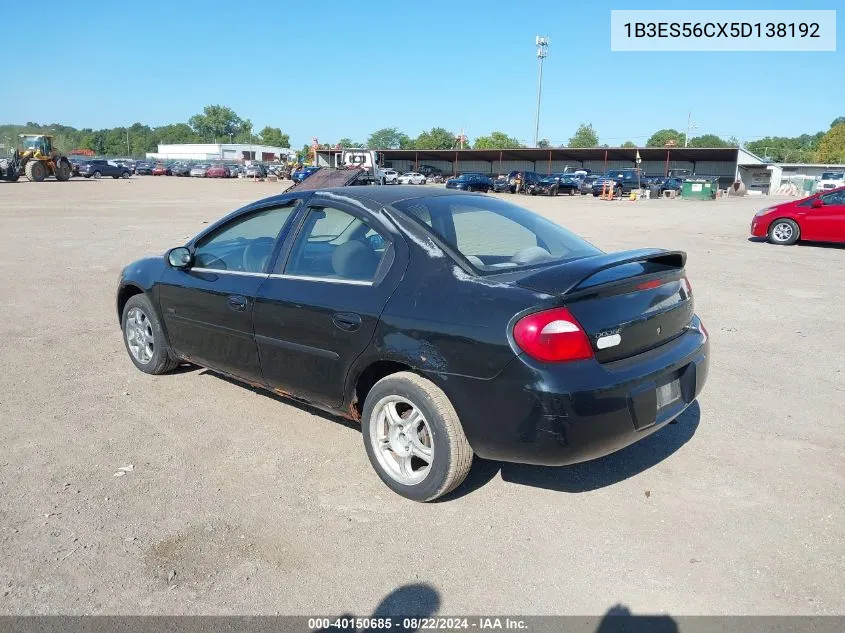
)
(449, 324)
(144, 168)
(470, 182)
(98, 168)
(181, 170)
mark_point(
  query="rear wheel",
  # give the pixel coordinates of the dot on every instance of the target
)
(35, 171)
(97, 175)
(618, 193)
(784, 232)
(413, 437)
(144, 337)
(63, 170)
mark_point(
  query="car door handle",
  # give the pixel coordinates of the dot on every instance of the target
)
(236, 302)
(348, 321)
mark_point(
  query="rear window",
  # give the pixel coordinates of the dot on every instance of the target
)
(493, 235)
(833, 175)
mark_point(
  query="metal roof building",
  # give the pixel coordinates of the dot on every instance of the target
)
(221, 151)
(728, 163)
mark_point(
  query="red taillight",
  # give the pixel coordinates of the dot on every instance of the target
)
(552, 336)
(685, 283)
(648, 285)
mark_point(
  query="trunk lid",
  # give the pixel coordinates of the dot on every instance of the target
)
(627, 303)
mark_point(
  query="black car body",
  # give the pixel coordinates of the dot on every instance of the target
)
(554, 184)
(621, 182)
(501, 184)
(101, 168)
(525, 342)
(470, 182)
(527, 179)
(144, 168)
(586, 185)
(429, 171)
(180, 169)
(672, 183)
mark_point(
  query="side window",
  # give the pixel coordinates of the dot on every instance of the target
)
(245, 244)
(334, 244)
(837, 197)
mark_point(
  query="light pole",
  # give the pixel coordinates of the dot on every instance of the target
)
(542, 43)
(691, 125)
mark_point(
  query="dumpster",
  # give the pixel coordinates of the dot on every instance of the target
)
(699, 188)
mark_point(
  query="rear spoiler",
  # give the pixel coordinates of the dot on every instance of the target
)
(565, 278)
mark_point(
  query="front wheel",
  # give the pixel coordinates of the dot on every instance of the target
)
(126, 174)
(784, 232)
(144, 337)
(413, 437)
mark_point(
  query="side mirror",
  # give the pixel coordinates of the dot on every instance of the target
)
(817, 203)
(179, 257)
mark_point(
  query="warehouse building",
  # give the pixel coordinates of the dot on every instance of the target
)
(729, 164)
(222, 151)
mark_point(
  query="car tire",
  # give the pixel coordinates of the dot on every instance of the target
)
(617, 193)
(125, 174)
(784, 232)
(144, 337)
(97, 175)
(572, 192)
(406, 396)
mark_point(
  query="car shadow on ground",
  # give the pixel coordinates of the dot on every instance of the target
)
(576, 478)
(806, 244)
(592, 475)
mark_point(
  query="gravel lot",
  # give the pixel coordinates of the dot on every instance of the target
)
(239, 502)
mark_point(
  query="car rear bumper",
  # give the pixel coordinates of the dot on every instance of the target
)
(552, 415)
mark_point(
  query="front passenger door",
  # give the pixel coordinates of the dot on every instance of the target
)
(826, 223)
(208, 307)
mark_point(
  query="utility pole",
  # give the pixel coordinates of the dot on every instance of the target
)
(691, 125)
(128, 155)
(542, 43)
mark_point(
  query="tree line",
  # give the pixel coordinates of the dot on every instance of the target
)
(216, 124)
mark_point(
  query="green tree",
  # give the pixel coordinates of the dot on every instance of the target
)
(832, 145)
(543, 143)
(388, 138)
(274, 136)
(175, 133)
(837, 121)
(662, 137)
(436, 138)
(708, 140)
(629, 144)
(585, 136)
(219, 123)
(787, 149)
(496, 140)
(348, 142)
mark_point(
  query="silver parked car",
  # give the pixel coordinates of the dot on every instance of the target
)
(199, 171)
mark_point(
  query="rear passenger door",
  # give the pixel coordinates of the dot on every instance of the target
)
(318, 310)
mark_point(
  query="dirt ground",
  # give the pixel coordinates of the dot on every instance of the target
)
(238, 502)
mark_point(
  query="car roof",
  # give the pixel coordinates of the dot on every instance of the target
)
(380, 195)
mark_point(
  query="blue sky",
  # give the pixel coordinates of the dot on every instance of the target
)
(332, 69)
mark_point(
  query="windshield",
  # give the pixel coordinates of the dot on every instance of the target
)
(833, 175)
(493, 235)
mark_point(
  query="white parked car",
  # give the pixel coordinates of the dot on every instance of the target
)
(411, 178)
(830, 180)
(389, 176)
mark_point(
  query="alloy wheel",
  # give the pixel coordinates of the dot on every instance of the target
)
(402, 440)
(139, 335)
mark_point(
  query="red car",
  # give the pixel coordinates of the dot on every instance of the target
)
(819, 218)
(217, 171)
(161, 170)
